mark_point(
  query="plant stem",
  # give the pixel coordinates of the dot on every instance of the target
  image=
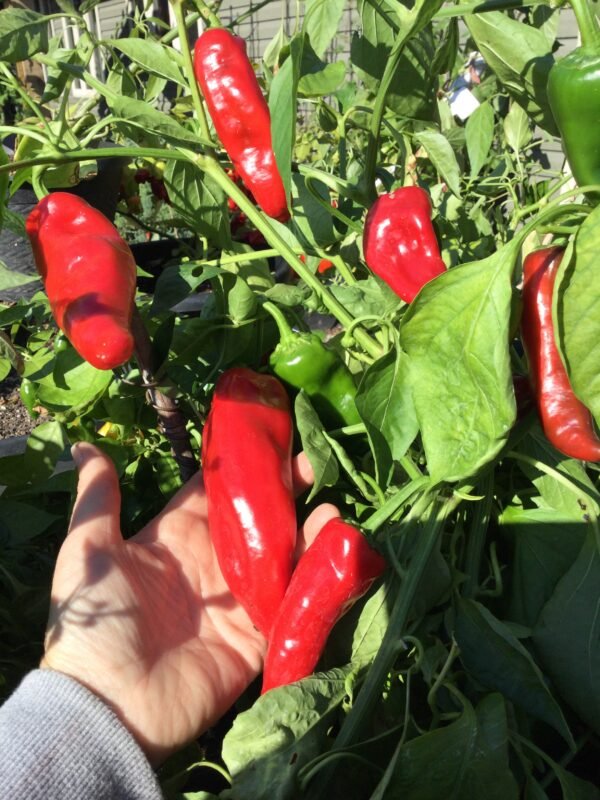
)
(285, 331)
(368, 696)
(95, 153)
(207, 13)
(378, 112)
(171, 418)
(212, 168)
(189, 69)
(586, 22)
(477, 534)
(377, 519)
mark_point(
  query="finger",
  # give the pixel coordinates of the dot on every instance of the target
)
(98, 503)
(302, 473)
(313, 524)
(186, 509)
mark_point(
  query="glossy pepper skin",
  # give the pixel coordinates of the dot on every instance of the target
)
(89, 274)
(337, 569)
(240, 115)
(247, 464)
(566, 422)
(400, 245)
(303, 361)
(574, 95)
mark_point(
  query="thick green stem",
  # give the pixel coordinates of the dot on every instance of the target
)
(370, 692)
(285, 331)
(94, 153)
(189, 69)
(587, 23)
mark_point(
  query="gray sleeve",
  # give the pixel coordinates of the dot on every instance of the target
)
(61, 742)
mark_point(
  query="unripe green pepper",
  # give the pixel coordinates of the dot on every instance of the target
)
(28, 397)
(303, 361)
(574, 96)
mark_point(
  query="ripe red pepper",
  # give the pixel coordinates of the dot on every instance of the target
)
(400, 244)
(89, 274)
(240, 115)
(566, 422)
(338, 568)
(247, 462)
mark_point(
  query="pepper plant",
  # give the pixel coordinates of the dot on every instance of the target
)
(471, 668)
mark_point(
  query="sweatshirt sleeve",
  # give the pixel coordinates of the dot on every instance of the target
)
(61, 742)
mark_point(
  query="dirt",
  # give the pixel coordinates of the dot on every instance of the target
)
(14, 417)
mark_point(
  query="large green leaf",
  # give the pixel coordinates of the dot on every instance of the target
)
(284, 730)
(23, 33)
(315, 445)
(152, 56)
(198, 200)
(456, 334)
(45, 445)
(479, 132)
(496, 659)
(467, 759)
(579, 314)
(67, 385)
(321, 20)
(521, 57)
(442, 157)
(567, 636)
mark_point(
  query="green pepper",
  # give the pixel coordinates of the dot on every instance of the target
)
(574, 95)
(28, 397)
(303, 361)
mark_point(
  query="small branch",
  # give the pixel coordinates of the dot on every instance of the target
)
(172, 422)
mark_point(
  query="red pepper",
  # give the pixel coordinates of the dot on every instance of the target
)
(89, 274)
(240, 115)
(338, 568)
(566, 422)
(400, 244)
(247, 462)
(324, 266)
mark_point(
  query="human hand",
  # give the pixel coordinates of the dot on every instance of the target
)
(148, 624)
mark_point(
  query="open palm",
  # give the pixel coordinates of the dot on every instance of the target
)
(148, 624)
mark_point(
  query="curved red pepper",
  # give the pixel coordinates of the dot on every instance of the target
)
(246, 456)
(566, 422)
(240, 115)
(337, 569)
(400, 244)
(89, 274)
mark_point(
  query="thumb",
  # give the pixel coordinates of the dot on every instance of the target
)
(98, 503)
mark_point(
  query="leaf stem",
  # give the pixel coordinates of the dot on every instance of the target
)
(477, 534)
(586, 22)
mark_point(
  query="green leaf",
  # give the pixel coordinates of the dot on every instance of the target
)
(24, 521)
(10, 353)
(5, 367)
(284, 730)
(71, 387)
(496, 658)
(467, 759)
(4, 182)
(545, 546)
(311, 222)
(479, 132)
(517, 128)
(314, 444)
(23, 33)
(456, 334)
(321, 21)
(198, 200)
(10, 279)
(143, 116)
(372, 625)
(178, 282)
(153, 57)
(567, 636)
(282, 105)
(579, 315)
(442, 157)
(45, 445)
(385, 404)
(322, 79)
(521, 57)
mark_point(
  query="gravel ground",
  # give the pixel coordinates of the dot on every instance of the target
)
(14, 418)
